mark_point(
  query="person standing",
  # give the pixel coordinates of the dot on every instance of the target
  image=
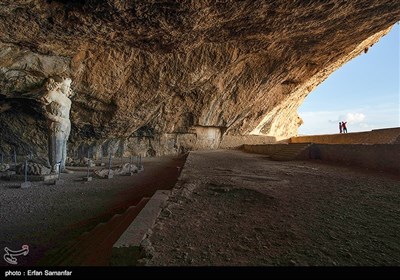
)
(340, 127)
(344, 127)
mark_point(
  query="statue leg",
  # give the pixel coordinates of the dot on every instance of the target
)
(55, 152)
(52, 143)
(63, 154)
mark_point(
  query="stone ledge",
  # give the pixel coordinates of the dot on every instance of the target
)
(376, 136)
(127, 248)
(34, 178)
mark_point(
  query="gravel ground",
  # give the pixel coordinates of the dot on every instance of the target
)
(44, 215)
(233, 208)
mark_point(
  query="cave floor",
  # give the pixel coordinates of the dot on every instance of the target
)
(45, 216)
(234, 208)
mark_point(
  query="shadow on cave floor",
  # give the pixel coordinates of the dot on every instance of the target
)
(240, 209)
(47, 217)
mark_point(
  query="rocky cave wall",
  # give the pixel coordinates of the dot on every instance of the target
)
(161, 77)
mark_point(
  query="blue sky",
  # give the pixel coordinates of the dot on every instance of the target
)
(364, 92)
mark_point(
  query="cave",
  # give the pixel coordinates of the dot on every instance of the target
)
(184, 84)
(174, 66)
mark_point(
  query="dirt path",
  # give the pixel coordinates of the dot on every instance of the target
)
(233, 208)
(47, 216)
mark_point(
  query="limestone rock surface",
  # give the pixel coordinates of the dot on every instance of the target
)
(163, 77)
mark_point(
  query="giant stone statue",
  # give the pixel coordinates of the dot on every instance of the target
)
(57, 106)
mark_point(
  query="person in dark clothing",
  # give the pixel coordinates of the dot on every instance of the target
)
(344, 127)
(340, 127)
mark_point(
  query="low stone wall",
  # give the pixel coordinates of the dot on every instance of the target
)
(264, 149)
(378, 136)
(128, 248)
(383, 157)
(232, 141)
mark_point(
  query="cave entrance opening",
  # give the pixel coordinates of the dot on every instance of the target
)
(364, 92)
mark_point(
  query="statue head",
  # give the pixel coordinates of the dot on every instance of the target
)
(58, 83)
(66, 87)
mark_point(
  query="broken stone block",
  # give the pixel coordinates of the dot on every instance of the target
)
(87, 179)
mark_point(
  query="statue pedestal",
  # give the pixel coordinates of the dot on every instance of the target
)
(57, 182)
(87, 179)
(26, 185)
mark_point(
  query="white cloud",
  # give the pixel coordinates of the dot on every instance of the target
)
(358, 119)
(352, 118)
